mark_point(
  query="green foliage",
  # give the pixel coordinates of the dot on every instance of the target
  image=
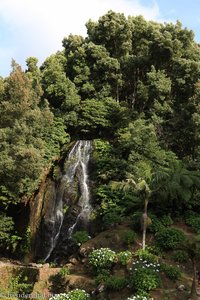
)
(25, 245)
(192, 247)
(113, 214)
(58, 89)
(124, 257)
(116, 283)
(134, 84)
(9, 240)
(102, 258)
(166, 220)
(140, 296)
(145, 254)
(129, 237)
(6, 228)
(193, 220)
(171, 272)
(144, 276)
(93, 115)
(23, 123)
(107, 164)
(19, 284)
(55, 137)
(161, 223)
(64, 271)
(80, 237)
(102, 276)
(136, 221)
(180, 256)
(73, 295)
(169, 238)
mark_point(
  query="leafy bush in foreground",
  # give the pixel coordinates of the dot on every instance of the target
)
(73, 295)
(102, 258)
(124, 257)
(144, 275)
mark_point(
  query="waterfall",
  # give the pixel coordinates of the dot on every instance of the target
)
(77, 162)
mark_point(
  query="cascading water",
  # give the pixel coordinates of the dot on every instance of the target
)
(76, 168)
(82, 155)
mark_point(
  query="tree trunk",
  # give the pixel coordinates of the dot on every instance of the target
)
(194, 288)
(144, 223)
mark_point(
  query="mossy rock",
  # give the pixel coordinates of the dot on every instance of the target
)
(112, 238)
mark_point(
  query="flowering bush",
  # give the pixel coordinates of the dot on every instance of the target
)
(124, 257)
(144, 275)
(139, 297)
(102, 258)
(73, 295)
(145, 254)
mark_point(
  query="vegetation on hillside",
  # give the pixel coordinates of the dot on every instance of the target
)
(133, 87)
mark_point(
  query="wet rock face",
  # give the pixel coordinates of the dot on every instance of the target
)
(64, 207)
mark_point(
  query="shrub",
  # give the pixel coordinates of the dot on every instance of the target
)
(80, 237)
(140, 297)
(156, 225)
(144, 276)
(73, 295)
(101, 278)
(171, 272)
(166, 220)
(129, 237)
(169, 238)
(64, 271)
(124, 257)
(102, 258)
(19, 284)
(159, 224)
(116, 283)
(180, 256)
(146, 255)
(193, 220)
(6, 227)
(113, 216)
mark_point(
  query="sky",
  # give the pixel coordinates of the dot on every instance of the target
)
(37, 27)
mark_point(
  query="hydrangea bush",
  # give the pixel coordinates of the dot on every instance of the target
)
(124, 257)
(144, 275)
(101, 259)
(73, 295)
(145, 254)
(139, 297)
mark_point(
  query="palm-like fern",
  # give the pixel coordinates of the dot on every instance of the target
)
(172, 182)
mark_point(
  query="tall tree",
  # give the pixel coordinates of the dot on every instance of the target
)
(22, 126)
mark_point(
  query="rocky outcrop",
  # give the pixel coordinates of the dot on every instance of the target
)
(60, 206)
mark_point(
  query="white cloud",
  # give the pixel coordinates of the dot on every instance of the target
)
(37, 27)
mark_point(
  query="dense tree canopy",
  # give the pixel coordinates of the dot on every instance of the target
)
(131, 85)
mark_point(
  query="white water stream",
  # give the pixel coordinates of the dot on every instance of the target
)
(78, 159)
